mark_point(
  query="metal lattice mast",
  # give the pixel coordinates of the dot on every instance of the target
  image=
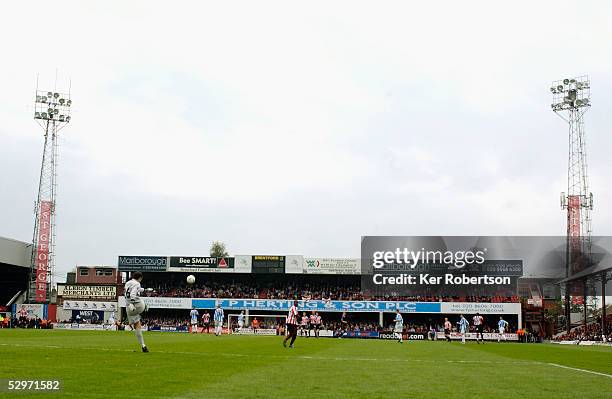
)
(571, 100)
(52, 112)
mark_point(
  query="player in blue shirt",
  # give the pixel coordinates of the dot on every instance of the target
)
(501, 327)
(218, 317)
(399, 326)
(194, 320)
(463, 327)
(240, 320)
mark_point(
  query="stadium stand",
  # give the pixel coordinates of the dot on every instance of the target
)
(590, 332)
(14, 265)
(284, 290)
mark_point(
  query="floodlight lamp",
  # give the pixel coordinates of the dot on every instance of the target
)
(566, 81)
(56, 111)
(578, 103)
(69, 102)
(585, 101)
(67, 119)
(572, 81)
(44, 115)
(37, 115)
(56, 95)
(62, 101)
(560, 88)
(50, 110)
(43, 99)
(553, 90)
(61, 118)
(49, 94)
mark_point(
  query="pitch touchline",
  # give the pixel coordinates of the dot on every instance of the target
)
(582, 370)
(364, 359)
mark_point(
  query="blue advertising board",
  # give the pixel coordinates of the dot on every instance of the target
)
(360, 334)
(283, 305)
(92, 316)
(318, 305)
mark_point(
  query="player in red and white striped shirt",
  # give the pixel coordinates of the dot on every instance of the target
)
(317, 324)
(447, 329)
(312, 321)
(292, 321)
(206, 322)
(304, 325)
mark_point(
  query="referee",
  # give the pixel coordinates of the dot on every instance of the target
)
(344, 322)
(291, 325)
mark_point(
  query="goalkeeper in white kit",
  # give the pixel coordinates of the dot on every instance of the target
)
(135, 306)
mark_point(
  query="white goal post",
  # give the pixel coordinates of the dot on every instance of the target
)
(268, 324)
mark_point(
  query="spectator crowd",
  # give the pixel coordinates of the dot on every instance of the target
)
(288, 290)
(25, 322)
(590, 332)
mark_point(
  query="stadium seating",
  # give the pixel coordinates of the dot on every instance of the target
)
(286, 291)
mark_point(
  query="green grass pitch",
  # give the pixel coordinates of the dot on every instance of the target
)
(110, 365)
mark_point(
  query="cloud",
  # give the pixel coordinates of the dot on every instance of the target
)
(297, 129)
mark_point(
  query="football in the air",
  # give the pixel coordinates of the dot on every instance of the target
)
(190, 279)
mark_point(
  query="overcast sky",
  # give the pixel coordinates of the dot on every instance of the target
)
(295, 129)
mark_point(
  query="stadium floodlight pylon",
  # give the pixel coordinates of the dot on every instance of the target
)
(52, 113)
(571, 100)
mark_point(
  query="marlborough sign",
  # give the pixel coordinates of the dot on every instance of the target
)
(142, 263)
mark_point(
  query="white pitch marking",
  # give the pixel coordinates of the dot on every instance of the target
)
(581, 370)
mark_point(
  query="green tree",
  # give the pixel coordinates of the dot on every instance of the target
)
(218, 250)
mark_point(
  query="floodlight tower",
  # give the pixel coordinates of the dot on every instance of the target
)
(52, 113)
(571, 100)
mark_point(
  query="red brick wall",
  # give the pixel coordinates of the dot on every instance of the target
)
(92, 278)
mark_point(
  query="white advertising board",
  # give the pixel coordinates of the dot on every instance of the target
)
(331, 266)
(243, 263)
(162, 302)
(480, 307)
